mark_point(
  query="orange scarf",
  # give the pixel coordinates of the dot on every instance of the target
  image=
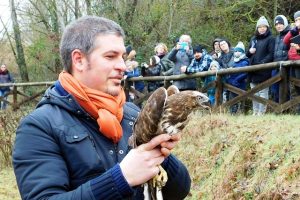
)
(107, 109)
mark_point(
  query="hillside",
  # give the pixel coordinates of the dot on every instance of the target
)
(242, 157)
(229, 157)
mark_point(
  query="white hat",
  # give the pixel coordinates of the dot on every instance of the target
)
(240, 47)
(262, 21)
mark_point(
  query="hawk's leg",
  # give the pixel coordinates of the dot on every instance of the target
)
(160, 179)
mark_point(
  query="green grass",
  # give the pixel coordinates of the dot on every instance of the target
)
(228, 157)
(242, 157)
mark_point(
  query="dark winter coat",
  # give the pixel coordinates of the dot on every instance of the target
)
(239, 79)
(264, 45)
(281, 49)
(60, 154)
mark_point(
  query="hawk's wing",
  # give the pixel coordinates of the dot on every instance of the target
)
(147, 122)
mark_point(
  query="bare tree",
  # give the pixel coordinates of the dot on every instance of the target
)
(20, 57)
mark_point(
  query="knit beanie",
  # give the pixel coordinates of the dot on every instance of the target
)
(240, 47)
(281, 19)
(128, 49)
(262, 21)
(297, 14)
(214, 63)
(198, 48)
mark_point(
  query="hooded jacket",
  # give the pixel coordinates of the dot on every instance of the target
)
(60, 154)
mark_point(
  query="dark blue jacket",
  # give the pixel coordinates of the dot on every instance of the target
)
(138, 85)
(239, 79)
(59, 153)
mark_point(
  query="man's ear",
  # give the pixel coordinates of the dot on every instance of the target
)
(78, 60)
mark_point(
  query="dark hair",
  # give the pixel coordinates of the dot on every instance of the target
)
(82, 33)
(198, 48)
(227, 41)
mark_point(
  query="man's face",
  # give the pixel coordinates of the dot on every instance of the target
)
(279, 27)
(104, 68)
(217, 46)
(297, 22)
(197, 55)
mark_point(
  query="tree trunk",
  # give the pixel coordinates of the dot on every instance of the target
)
(88, 7)
(20, 52)
(76, 9)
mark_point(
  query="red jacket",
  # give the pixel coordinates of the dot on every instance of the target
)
(292, 54)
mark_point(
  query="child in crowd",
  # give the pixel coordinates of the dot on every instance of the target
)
(153, 69)
(214, 66)
(132, 70)
(239, 79)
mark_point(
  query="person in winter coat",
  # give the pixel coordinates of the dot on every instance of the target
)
(214, 66)
(132, 70)
(154, 69)
(216, 52)
(226, 61)
(294, 51)
(239, 79)
(200, 62)
(280, 50)
(5, 77)
(161, 50)
(261, 50)
(182, 55)
(74, 145)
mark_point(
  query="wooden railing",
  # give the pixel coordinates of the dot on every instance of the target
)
(15, 92)
(282, 78)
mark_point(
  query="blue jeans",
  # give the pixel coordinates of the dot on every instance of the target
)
(259, 108)
(3, 104)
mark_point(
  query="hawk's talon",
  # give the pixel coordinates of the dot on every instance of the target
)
(160, 179)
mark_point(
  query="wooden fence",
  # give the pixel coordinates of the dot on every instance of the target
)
(282, 78)
(15, 92)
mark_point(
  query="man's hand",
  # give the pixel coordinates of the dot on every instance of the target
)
(141, 164)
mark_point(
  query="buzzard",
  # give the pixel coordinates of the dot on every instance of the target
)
(166, 111)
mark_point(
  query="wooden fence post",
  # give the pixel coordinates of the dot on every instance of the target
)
(283, 84)
(219, 91)
(15, 97)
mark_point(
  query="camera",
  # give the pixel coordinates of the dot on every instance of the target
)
(183, 45)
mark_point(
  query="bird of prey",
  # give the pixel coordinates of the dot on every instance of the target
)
(166, 111)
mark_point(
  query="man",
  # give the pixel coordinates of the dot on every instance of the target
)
(182, 55)
(280, 50)
(74, 145)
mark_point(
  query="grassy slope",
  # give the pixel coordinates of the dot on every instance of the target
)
(231, 157)
(249, 157)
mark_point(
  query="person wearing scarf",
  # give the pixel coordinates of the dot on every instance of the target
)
(74, 145)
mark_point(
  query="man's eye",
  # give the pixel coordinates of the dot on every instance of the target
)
(110, 56)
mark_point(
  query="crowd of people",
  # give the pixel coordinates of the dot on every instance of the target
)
(263, 48)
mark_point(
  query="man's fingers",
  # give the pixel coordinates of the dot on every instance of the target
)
(155, 142)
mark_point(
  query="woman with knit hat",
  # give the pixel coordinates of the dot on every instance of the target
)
(260, 51)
